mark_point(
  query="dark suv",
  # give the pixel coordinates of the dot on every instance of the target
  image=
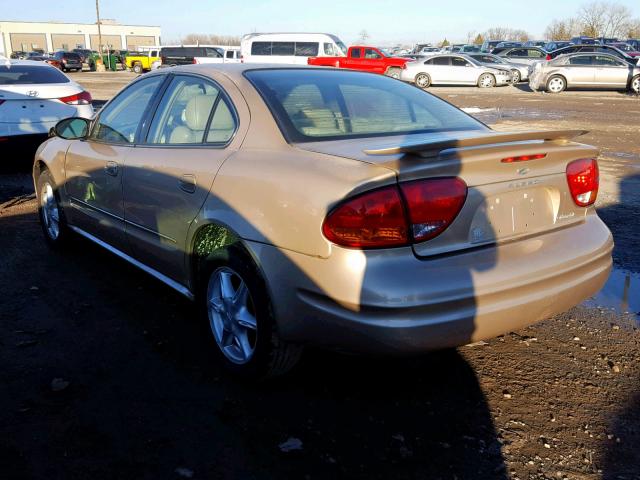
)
(68, 61)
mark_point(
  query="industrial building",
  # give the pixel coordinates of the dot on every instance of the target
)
(52, 36)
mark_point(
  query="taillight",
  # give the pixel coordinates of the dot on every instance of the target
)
(163, 60)
(433, 205)
(82, 98)
(195, 61)
(396, 216)
(548, 57)
(372, 220)
(583, 178)
(524, 158)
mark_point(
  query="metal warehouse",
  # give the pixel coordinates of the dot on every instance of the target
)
(52, 36)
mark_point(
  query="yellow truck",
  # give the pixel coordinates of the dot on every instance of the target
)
(141, 61)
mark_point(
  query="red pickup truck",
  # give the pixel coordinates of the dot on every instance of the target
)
(368, 59)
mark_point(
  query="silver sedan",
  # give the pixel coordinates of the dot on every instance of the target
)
(585, 70)
(519, 72)
(454, 70)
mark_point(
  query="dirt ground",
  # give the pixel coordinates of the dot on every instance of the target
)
(105, 373)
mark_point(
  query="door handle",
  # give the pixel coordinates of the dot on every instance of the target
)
(111, 168)
(188, 183)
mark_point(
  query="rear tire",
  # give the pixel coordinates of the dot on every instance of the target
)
(137, 68)
(486, 80)
(244, 335)
(394, 72)
(556, 84)
(634, 86)
(423, 81)
(52, 218)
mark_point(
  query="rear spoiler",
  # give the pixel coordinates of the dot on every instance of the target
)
(437, 145)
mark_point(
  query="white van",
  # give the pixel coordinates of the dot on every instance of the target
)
(290, 48)
(231, 54)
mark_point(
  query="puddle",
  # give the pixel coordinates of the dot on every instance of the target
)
(621, 293)
(493, 115)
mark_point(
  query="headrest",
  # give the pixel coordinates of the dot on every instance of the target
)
(197, 111)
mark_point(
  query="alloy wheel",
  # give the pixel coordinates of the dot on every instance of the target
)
(50, 212)
(556, 85)
(422, 80)
(232, 315)
(635, 85)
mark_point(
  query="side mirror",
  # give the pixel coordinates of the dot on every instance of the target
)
(73, 128)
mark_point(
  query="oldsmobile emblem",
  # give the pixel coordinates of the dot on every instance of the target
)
(523, 171)
(32, 93)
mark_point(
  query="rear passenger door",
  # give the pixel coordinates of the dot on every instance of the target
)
(581, 71)
(439, 69)
(168, 175)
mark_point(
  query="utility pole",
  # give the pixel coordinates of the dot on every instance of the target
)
(99, 62)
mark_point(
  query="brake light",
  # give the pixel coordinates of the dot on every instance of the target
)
(82, 98)
(195, 60)
(583, 178)
(548, 57)
(163, 60)
(433, 205)
(373, 220)
(396, 216)
(524, 158)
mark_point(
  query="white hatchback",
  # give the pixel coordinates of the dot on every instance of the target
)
(34, 96)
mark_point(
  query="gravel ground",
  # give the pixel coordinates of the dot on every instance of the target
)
(94, 388)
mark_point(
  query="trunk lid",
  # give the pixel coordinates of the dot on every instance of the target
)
(506, 200)
(35, 103)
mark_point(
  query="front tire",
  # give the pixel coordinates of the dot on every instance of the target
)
(240, 316)
(486, 80)
(423, 80)
(515, 76)
(556, 84)
(52, 219)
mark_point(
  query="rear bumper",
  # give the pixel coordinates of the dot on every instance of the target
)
(391, 302)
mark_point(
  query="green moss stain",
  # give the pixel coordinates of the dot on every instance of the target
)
(211, 238)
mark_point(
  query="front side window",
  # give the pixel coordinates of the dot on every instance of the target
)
(355, 53)
(370, 53)
(318, 105)
(229, 54)
(519, 52)
(306, 49)
(329, 51)
(119, 120)
(606, 61)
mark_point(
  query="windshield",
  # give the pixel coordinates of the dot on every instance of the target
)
(311, 105)
(30, 75)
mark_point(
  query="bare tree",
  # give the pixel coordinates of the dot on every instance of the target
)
(563, 29)
(633, 29)
(593, 18)
(470, 36)
(502, 33)
(617, 20)
(209, 39)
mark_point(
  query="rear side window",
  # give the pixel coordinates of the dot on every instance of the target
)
(519, 52)
(31, 75)
(441, 61)
(355, 53)
(261, 48)
(321, 105)
(282, 48)
(582, 60)
(329, 51)
(459, 62)
(306, 49)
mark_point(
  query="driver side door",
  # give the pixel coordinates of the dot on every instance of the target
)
(94, 166)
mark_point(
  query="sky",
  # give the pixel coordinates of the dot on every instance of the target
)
(386, 22)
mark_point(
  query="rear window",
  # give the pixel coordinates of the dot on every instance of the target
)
(312, 105)
(28, 75)
(71, 56)
(190, 52)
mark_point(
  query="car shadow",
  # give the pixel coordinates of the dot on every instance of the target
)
(149, 396)
(624, 428)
